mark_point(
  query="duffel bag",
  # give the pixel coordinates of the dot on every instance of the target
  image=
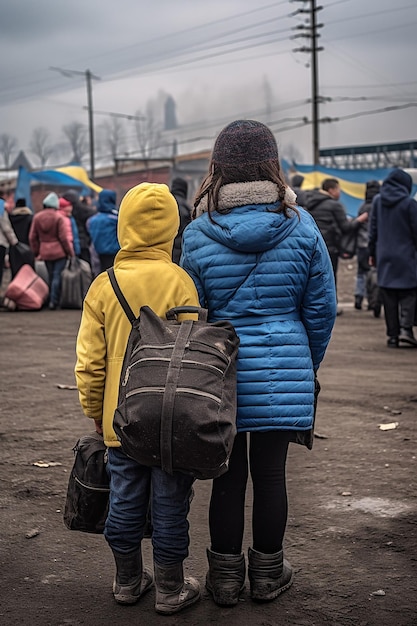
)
(75, 281)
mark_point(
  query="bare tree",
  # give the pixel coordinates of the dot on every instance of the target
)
(76, 134)
(112, 136)
(7, 145)
(40, 145)
(148, 130)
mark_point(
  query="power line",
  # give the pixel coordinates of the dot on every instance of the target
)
(367, 86)
(372, 14)
(163, 39)
(408, 105)
(183, 62)
(186, 49)
(146, 58)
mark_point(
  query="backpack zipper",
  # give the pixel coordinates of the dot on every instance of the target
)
(80, 482)
(194, 392)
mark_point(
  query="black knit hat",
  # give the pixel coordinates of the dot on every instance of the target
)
(245, 142)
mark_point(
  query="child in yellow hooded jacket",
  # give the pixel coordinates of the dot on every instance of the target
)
(147, 225)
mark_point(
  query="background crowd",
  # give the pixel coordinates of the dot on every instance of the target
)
(383, 246)
(384, 234)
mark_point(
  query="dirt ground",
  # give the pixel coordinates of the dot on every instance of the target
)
(352, 528)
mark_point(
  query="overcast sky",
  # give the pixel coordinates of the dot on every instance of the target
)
(220, 60)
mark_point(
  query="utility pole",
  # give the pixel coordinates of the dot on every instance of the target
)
(314, 84)
(310, 32)
(88, 78)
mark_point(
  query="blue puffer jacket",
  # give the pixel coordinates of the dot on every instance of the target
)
(272, 278)
(103, 225)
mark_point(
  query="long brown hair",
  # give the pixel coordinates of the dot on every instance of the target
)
(219, 175)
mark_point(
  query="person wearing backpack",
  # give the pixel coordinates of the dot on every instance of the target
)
(148, 222)
(260, 262)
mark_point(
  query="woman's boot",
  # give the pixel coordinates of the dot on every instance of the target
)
(269, 575)
(173, 591)
(226, 577)
(131, 580)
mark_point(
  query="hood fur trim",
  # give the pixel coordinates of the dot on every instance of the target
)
(21, 210)
(254, 192)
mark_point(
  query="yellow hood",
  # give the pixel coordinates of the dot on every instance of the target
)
(148, 218)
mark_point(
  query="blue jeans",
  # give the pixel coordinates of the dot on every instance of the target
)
(54, 272)
(131, 485)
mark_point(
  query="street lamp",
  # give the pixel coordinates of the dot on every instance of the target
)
(88, 77)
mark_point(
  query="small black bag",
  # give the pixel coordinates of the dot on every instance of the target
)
(87, 501)
(348, 245)
(20, 255)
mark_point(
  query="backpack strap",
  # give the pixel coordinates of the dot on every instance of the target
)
(168, 402)
(123, 302)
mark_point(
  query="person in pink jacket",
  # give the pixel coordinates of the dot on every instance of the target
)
(65, 209)
(50, 240)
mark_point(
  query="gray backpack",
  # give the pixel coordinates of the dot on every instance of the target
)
(177, 393)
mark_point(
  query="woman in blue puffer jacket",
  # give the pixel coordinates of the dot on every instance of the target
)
(260, 262)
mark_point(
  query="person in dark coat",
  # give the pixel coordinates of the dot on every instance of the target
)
(179, 190)
(81, 212)
(21, 220)
(296, 184)
(393, 249)
(362, 250)
(330, 216)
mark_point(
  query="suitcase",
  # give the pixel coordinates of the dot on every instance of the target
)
(75, 280)
(27, 291)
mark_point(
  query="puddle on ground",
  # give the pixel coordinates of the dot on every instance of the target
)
(376, 506)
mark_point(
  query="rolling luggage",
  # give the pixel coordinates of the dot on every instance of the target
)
(27, 291)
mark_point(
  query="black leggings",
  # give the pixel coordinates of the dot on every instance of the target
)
(267, 459)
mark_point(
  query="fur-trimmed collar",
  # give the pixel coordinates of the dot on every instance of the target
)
(240, 194)
(21, 210)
